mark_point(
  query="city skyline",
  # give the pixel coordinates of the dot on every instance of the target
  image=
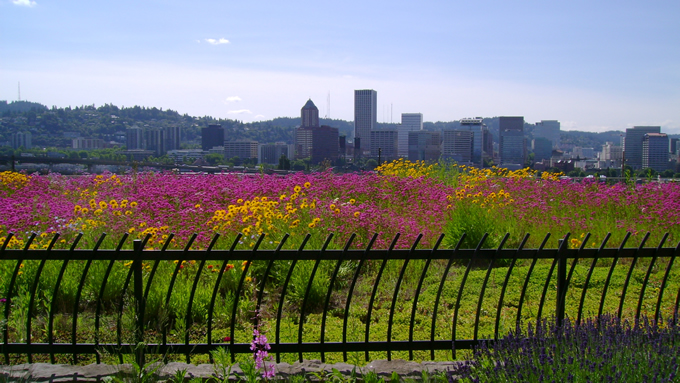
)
(593, 67)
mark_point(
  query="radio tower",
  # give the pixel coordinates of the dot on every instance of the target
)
(328, 105)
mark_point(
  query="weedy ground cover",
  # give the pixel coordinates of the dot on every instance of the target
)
(401, 197)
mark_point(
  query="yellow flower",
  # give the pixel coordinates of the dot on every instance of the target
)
(297, 188)
(282, 197)
(197, 206)
(312, 225)
(103, 205)
(307, 185)
(248, 279)
(133, 204)
(128, 212)
(239, 201)
(132, 230)
(357, 214)
(352, 201)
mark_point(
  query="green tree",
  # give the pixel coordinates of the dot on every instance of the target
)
(284, 163)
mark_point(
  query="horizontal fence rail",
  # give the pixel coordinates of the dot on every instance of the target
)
(80, 302)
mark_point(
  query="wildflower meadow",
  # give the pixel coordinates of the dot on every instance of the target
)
(401, 197)
(178, 211)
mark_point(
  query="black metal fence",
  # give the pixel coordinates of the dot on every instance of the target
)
(472, 295)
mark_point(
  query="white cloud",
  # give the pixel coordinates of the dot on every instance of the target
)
(233, 99)
(217, 41)
(25, 3)
(259, 117)
(240, 111)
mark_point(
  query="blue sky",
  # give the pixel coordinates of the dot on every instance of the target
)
(592, 65)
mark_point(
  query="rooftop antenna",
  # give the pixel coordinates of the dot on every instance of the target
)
(19, 90)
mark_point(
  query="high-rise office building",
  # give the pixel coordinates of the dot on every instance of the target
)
(212, 136)
(317, 143)
(632, 144)
(655, 151)
(457, 145)
(385, 145)
(309, 115)
(424, 145)
(512, 147)
(549, 129)
(482, 146)
(542, 148)
(409, 122)
(365, 116)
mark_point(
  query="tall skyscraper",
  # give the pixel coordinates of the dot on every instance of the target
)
(655, 151)
(632, 144)
(365, 116)
(512, 143)
(310, 115)
(549, 129)
(481, 136)
(212, 136)
(409, 123)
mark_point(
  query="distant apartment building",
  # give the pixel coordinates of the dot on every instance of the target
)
(655, 151)
(409, 122)
(611, 152)
(271, 153)
(512, 145)
(542, 148)
(212, 136)
(156, 141)
(458, 145)
(365, 116)
(172, 137)
(632, 144)
(424, 145)
(385, 145)
(582, 153)
(549, 129)
(134, 138)
(243, 149)
(87, 143)
(22, 140)
(188, 155)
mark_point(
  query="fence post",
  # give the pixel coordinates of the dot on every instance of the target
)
(561, 281)
(139, 301)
